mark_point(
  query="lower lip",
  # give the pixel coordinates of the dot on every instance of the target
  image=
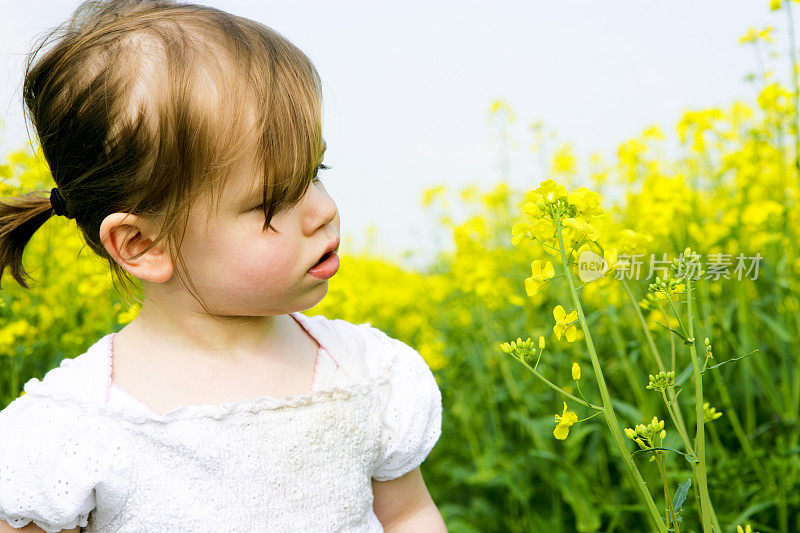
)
(327, 268)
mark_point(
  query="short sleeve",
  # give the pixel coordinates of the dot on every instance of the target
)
(412, 420)
(48, 465)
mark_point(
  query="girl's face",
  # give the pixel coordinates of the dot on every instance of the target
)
(241, 270)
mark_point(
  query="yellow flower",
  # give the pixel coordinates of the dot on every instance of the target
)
(576, 371)
(520, 230)
(612, 261)
(747, 529)
(774, 5)
(563, 326)
(549, 191)
(564, 421)
(431, 194)
(710, 413)
(563, 160)
(498, 106)
(544, 229)
(753, 35)
(587, 201)
(539, 275)
(532, 209)
(581, 229)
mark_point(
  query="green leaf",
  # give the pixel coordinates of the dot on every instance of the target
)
(684, 375)
(689, 457)
(753, 509)
(629, 410)
(680, 495)
(576, 490)
(773, 324)
(678, 333)
(729, 361)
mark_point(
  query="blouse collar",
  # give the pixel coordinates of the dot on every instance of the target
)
(85, 379)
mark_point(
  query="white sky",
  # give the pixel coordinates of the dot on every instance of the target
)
(408, 85)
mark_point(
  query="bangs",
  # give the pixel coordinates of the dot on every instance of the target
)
(289, 130)
(255, 108)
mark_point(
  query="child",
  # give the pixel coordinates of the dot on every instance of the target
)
(185, 142)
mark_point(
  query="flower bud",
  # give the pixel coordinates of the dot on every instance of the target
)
(541, 342)
(576, 371)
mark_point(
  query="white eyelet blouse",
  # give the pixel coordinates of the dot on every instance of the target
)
(77, 450)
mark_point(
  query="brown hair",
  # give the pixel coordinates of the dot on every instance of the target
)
(142, 106)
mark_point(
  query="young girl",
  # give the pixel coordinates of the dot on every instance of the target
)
(185, 143)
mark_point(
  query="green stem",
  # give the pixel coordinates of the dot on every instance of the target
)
(705, 499)
(578, 384)
(559, 389)
(684, 436)
(667, 495)
(678, 420)
(677, 316)
(627, 366)
(608, 410)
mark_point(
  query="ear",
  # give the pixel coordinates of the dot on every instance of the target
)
(125, 235)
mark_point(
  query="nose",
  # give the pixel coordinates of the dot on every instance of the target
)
(322, 210)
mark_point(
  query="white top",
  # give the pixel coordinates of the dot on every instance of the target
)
(76, 450)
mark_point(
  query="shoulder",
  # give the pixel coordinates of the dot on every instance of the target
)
(80, 380)
(363, 349)
(36, 424)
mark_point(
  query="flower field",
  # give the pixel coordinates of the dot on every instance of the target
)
(616, 346)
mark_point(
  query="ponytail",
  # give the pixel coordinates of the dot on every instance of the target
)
(19, 220)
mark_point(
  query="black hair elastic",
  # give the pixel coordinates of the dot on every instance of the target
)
(58, 202)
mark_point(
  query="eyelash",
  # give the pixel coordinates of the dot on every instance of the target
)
(321, 166)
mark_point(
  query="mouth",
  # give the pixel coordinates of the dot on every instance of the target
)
(322, 259)
(328, 264)
(331, 250)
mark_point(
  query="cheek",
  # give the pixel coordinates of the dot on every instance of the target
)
(267, 262)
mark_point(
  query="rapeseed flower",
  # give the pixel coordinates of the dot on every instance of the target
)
(576, 371)
(586, 201)
(649, 436)
(520, 350)
(540, 273)
(662, 380)
(563, 423)
(581, 229)
(710, 413)
(549, 191)
(563, 326)
(754, 35)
